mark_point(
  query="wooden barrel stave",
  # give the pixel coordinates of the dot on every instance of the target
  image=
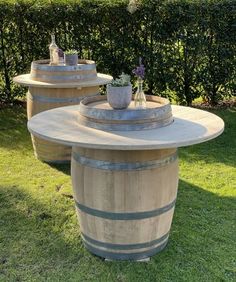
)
(157, 227)
(50, 152)
(43, 99)
(125, 214)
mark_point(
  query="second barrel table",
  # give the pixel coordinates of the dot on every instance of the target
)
(57, 86)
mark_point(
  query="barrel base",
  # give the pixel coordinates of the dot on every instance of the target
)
(139, 260)
(137, 256)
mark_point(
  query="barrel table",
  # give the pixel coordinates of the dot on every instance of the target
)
(125, 182)
(56, 86)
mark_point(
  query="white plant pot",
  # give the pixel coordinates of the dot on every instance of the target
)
(119, 97)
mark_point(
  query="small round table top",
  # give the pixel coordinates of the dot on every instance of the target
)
(96, 112)
(25, 80)
(190, 126)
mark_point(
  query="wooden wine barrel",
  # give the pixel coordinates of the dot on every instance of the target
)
(125, 200)
(95, 112)
(43, 99)
(53, 86)
(42, 71)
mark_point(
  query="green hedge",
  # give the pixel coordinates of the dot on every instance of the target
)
(188, 47)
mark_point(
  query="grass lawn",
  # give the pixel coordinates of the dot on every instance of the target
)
(40, 236)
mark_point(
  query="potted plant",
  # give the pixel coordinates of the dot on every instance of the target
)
(71, 57)
(119, 92)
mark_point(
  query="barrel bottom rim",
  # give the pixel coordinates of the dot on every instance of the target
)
(125, 256)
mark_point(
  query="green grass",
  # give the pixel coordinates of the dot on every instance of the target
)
(39, 233)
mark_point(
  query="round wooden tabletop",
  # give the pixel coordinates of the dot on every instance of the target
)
(190, 126)
(24, 79)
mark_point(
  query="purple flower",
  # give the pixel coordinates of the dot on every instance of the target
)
(139, 71)
(60, 53)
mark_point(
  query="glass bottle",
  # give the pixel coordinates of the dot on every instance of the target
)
(139, 97)
(53, 49)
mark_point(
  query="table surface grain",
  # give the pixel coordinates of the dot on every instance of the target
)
(24, 79)
(190, 126)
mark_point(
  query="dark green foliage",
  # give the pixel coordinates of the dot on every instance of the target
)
(188, 47)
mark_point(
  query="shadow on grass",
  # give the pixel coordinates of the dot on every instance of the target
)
(40, 240)
(65, 168)
(32, 235)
